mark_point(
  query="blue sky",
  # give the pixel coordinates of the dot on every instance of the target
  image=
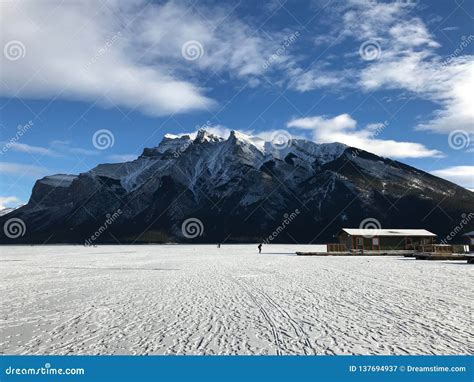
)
(391, 77)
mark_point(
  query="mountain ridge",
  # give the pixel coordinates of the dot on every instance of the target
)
(239, 189)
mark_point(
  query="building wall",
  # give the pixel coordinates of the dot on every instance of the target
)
(385, 242)
(344, 238)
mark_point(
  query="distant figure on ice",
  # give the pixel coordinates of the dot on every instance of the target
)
(218, 245)
(260, 248)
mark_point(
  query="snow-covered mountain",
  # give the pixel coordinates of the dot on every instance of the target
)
(5, 211)
(240, 188)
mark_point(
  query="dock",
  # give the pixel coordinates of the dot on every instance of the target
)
(408, 254)
(355, 254)
(434, 257)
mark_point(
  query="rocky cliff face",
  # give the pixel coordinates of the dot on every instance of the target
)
(237, 189)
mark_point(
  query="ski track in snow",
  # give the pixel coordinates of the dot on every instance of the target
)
(183, 299)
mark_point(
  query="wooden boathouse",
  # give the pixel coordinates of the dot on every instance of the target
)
(359, 239)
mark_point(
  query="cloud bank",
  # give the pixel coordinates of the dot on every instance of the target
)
(135, 54)
(462, 175)
(343, 128)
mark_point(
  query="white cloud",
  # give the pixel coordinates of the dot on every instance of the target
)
(57, 149)
(343, 128)
(392, 20)
(462, 175)
(314, 78)
(126, 53)
(8, 202)
(271, 135)
(449, 85)
(218, 130)
(22, 169)
(341, 122)
(411, 33)
(25, 148)
(228, 43)
(65, 146)
(453, 87)
(408, 61)
(81, 51)
(449, 29)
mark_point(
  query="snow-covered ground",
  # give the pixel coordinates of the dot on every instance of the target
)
(179, 299)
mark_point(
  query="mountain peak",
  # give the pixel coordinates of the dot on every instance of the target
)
(205, 136)
(168, 137)
(237, 136)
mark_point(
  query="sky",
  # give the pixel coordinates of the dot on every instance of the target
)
(89, 82)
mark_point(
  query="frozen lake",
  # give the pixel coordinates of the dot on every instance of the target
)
(178, 299)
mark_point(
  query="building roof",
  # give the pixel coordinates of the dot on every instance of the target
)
(469, 234)
(387, 232)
